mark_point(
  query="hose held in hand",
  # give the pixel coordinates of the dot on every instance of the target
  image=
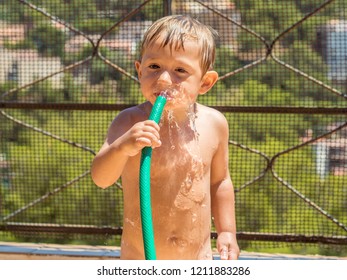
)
(145, 186)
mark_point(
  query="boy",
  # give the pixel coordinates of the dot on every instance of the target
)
(189, 169)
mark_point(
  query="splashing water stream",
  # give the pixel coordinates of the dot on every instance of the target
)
(183, 138)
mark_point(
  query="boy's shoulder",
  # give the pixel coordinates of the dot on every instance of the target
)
(214, 117)
(138, 112)
(211, 113)
(128, 117)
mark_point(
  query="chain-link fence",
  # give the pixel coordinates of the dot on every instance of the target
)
(66, 70)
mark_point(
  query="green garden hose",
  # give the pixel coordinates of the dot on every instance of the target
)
(145, 186)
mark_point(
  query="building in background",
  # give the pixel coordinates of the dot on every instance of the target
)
(25, 66)
(11, 33)
(330, 152)
(332, 43)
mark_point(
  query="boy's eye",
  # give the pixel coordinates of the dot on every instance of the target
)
(154, 66)
(181, 70)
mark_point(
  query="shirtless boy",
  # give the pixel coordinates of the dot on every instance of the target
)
(190, 179)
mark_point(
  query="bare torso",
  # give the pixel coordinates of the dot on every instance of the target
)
(180, 192)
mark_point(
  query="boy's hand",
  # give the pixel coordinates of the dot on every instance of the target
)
(142, 134)
(227, 246)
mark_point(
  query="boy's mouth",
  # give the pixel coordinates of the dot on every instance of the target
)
(172, 94)
(165, 94)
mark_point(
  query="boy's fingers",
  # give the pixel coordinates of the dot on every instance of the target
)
(157, 144)
(232, 255)
(154, 143)
(224, 253)
(143, 141)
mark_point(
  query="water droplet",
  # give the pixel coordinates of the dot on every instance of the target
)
(127, 220)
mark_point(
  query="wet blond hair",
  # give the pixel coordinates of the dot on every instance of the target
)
(175, 29)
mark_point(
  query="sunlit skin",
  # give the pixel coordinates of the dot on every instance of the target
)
(190, 178)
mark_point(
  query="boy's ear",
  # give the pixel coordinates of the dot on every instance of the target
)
(137, 67)
(207, 82)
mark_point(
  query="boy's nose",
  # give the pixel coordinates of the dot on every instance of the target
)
(165, 78)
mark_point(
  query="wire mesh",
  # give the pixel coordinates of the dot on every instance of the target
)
(66, 69)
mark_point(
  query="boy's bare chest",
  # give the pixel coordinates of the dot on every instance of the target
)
(180, 178)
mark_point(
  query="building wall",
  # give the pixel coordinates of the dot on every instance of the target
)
(336, 49)
(25, 66)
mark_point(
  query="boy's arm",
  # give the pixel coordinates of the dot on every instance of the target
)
(222, 196)
(125, 138)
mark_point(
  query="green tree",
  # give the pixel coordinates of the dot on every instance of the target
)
(49, 41)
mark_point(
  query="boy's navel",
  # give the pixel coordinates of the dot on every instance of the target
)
(177, 242)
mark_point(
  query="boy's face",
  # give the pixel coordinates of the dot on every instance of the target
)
(176, 70)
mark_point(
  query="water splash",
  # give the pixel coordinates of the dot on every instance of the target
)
(194, 217)
(174, 93)
(172, 125)
(192, 117)
(183, 140)
(127, 220)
